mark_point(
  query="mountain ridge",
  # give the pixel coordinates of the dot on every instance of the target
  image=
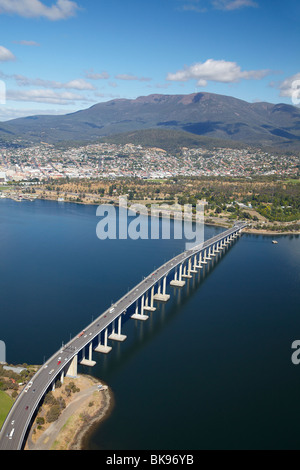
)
(203, 114)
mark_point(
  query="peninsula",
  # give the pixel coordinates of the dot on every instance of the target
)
(66, 415)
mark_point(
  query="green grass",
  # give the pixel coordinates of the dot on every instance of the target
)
(292, 181)
(5, 405)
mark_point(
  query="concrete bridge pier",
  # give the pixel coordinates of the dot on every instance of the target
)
(137, 315)
(88, 362)
(194, 268)
(147, 307)
(200, 261)
(217, 247)
(204, 257)
(72, 369)
(187, 270)
(103, 348)
(162, 296)
(178, 282)
(213, 253)
(117, 336)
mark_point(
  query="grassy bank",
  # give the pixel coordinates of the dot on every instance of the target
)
(5, 405)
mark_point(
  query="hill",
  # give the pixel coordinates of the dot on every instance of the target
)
(169, 140)
(199, 114)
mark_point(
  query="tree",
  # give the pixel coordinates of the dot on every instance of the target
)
(49, 399)
(53, 414)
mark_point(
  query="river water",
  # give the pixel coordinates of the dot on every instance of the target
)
(211, 369)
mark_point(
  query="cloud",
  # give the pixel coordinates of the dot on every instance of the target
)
(77, 84)
(97, 76)
(60, 10)
(44, 96)
(6, 55)
(290, 88)
(228, 5)
(217, 71)
(132, 77)
(162, 85)
(202, 6)
(106, 95)
(7, 113)
(193, 5)
(27, 43)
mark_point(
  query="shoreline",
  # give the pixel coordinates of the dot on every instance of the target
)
(225, 224)
(80, 441)
(84, 412)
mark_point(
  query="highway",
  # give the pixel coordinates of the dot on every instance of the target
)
(14, 429)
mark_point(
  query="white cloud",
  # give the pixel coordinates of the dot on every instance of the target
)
(233, 4)
(132, 77)
(97, 76)
(27, 43)
(77, 84)
(60, 10)
(8, 113)
(290, 88)
(161, 85)
(106, 95)
(5, 54)
(193, 5)
(216, 71)
(202, 6)
(44, 96)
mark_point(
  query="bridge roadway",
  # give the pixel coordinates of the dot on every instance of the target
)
(14, 429)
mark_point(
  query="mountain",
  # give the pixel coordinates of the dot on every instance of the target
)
(204, 114)
(169, 140)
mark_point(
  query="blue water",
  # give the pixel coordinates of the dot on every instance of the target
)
(211, 369)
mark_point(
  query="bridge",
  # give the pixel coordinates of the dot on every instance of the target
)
(108, 327)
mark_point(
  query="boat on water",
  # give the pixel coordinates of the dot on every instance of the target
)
(275, 242)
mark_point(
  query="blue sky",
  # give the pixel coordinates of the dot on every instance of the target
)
(59, 56)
